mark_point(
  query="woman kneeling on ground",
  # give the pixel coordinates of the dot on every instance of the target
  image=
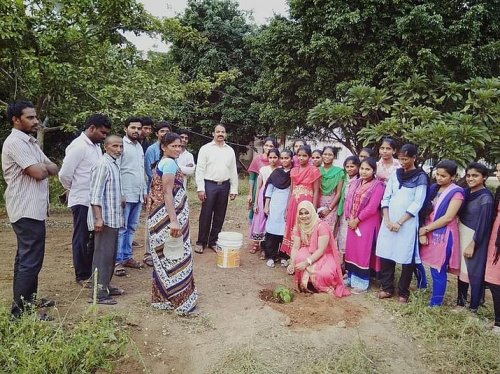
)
(315, 258)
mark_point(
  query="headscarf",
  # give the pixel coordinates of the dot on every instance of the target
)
(306, 230)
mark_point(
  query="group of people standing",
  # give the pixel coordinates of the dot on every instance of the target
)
(333, 228)
(336, 229)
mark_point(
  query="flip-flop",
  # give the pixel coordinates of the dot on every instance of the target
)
(199, 249)
(120, 270)
(132, 263)
(148, 260)
(104, 301)
(116, 291)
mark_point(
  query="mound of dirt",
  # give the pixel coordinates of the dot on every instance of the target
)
(315, 310)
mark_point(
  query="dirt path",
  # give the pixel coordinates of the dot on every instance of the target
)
(234, 323)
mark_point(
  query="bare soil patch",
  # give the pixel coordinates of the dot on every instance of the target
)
(234, 320)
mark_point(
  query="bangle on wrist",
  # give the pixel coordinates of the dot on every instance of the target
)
(308, 260)
(399, 223)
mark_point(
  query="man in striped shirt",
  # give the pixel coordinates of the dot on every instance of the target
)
(105, 217)
(26, 170)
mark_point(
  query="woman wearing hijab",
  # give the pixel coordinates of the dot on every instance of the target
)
(315, 259)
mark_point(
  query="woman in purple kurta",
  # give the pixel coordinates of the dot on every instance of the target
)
(362, 212)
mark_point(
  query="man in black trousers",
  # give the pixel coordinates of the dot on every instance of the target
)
(216, 180)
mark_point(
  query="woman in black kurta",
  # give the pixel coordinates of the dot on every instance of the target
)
(475, 225)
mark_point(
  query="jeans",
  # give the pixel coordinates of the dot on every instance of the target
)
(131, 214)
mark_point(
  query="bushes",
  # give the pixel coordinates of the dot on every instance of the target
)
(31, 346)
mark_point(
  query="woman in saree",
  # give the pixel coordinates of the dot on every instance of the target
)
(258, 226)
(253, 172)
(314, 258)
(397, 241)
(306, 181)
(362, 211)
(439, 238)
(332, 182)
(492, 276)
(475, 226)
(168, 220)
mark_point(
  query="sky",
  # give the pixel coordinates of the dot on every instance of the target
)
(262, 10)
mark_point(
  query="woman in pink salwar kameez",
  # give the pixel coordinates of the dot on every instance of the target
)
(315, 259)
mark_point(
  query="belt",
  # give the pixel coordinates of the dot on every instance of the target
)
(217, 183)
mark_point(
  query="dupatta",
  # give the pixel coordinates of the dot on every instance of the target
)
(355, 205)
(307, 175)
(441, 207)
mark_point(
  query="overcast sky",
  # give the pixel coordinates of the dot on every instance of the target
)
(262, 10)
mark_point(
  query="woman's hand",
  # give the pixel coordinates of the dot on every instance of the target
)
(469, 251)
(266, 210)
(175, 229)
(423, 240)
(325, 212)
(353, 223)
(290, 269)
(256, 209)
(249, 201)
(388, 223)
(423, 231)
(301, 266)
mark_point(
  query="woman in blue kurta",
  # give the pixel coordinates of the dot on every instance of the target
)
(398, 236)
(476, 218)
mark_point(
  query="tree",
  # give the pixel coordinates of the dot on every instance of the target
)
(327, 47)
(216, 67)
(446, 119)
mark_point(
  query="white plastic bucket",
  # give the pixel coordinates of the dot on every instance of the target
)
(228, 249)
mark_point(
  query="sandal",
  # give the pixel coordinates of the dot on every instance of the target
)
(104, 301)
(199, 249)
(116, 291)
(132, 263)
(270, 263)
(262, 255)
(255, 247)
(120, 270)
(148, 260)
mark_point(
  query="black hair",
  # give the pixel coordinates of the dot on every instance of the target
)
(318, 151)
(479, 167)
(162, 125)
(97, 120)
(392, 143)
(371, 163)
(129, 120)
(222, 125)
(298, 140)
(306, 149)
(370, 151)
(449, 165)
(166, 139)
(272, 140)
(16, 108)
(183, 132)
(289, 152)
(353, 159)
(147, 121)
(276, 151)
(409, 150)
(335, 150)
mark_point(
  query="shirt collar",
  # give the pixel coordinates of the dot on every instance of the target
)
(214, 143)
(23, 136)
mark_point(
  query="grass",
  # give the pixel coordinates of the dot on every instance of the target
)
(31, 346)
(356, 358)
(454, 342)
(243, 361)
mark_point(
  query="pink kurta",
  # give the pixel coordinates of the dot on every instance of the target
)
(434, 254)
(360, 250)
(493, 271)
(302, 189)
(325, 274)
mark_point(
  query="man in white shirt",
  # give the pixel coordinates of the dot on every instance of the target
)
(216, 179)
(186, 159)
(134, 193)
(82, 155)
